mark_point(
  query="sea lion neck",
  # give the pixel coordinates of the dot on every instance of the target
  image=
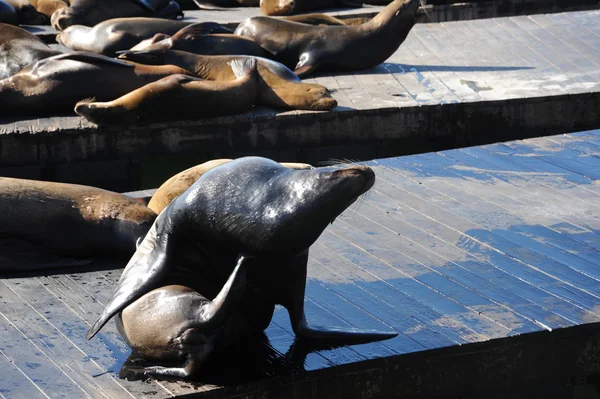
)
(383, 19)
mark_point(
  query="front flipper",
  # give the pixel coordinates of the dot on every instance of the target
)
(294, 303)
(207, 5)
(306, 65)
(144, 272)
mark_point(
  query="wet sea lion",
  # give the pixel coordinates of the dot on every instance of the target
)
(43, 222)
(58, 82)
(117, 34)
(20, 48)
(177, 324)
(194, 39)
(279, 87)
(248, 207)
(27, 13)
(334, 48)
(8, 15)
(179, 97)
(92, 12)
(177, 184)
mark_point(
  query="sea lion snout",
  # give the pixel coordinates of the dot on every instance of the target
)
(362, 176)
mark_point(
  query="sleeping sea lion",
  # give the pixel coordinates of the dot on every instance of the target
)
(250, 207)
(279, 87)
(57, 83)
(194, 39)
(179, 97)
(177, 184)
(49, 7)
(41, 223)
(334, 48)
(92, 12)
(19, 49)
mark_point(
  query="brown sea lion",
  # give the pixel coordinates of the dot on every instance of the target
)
(117, 34)
(289, 7)
(27, 14)
(308, 48)
(49, 7)
(19, 49)
(58, 82)
(8, 15)
(179, 97)
(279, 87)
(249, 209)
(43, 222)
(324, 19)
(92, 12)
(177, 184)
(194, 39)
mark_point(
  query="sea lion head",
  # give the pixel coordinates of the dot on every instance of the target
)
(262, 207)
(277, 7)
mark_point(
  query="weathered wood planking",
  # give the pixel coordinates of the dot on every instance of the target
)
(464, 251)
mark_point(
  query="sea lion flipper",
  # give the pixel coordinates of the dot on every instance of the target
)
(22, 256)
(143, 273)
(305, 65)
(243, 67)
(200, 29)
(207, 5)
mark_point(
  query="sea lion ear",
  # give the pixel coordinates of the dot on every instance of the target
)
(144, 272)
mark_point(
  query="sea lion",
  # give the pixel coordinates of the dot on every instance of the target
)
(334, 48)
(194, 39)
(201, 27)
(324, 19)
(27, 13)
(92, 12)
(57, 83)
(248, 207)
(178, 97)
(177, 184)
(288, 7)
(113, 35)
(279, 87)
(40, 222)
(49, 7)
(8, 15)
(177, 324)
(19, 49)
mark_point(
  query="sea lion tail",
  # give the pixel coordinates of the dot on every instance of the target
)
(243, 67)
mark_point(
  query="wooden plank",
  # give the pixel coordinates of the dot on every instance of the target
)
(15, 384)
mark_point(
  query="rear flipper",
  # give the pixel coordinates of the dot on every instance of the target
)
(21, 256)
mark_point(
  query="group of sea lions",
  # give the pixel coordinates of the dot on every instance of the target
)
(169, 69)
(217, 247)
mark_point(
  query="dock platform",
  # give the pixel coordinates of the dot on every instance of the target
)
(483, 259)
(450, 84)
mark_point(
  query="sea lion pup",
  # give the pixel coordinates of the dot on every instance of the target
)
(179, 97)
(248, 207)
(92, 12)
(27, 13)
(43, 222)
(334, 48)
(177, 324)
(57, 83)
(8, 15)
(194, 39)
(279, 87)
(177, 184)
(19, 49)
(113, 35)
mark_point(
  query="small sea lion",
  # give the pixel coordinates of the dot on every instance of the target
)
(8, 15)
(279, 87)
(250, 207)
(309, 48)
(45, 224)
(179, 97)
(49, 7)
(20, 48)
(92, 12)
(194, 39)
(177, 184)
(27, 14)
(177, 324)
(117, 34)
(57, 83)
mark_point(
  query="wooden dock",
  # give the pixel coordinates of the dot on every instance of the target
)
(485, 260)
(450, 84)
